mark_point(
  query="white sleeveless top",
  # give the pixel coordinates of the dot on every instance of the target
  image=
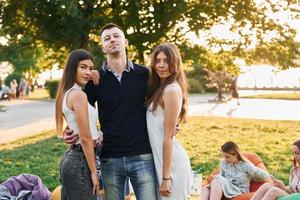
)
(71, 120)
(180, 167)
(294, 181)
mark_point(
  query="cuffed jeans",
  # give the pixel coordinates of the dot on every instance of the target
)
(139, 168)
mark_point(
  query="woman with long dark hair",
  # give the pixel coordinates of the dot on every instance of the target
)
(166, 101)
(78, 172)
(277, 189)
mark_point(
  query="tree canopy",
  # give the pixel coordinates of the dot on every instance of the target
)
(40, 33)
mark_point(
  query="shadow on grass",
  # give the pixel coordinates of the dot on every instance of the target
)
(40, 158)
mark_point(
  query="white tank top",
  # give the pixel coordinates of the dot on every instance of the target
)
(71, 120)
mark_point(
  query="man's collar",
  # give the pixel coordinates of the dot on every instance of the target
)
(130, 66)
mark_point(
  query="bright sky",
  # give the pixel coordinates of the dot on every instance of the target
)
(268, 76)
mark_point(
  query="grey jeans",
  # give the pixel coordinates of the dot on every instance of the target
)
(75, 176)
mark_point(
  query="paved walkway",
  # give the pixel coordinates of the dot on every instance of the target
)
(248, 108)
(27, 118)
(204, 105)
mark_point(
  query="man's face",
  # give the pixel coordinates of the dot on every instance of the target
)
(113, 41)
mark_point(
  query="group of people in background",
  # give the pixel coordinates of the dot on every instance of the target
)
(15, 90)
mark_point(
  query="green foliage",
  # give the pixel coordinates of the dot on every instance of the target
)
(196, 86)
(41, 33)
(283, 96)
(52, 86)
(283, 52)
(11, 77)
(22, 54)
(41, 159)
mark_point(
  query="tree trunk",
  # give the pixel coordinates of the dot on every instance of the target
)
(141, 56)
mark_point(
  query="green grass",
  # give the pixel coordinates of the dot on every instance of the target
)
(201, 136)
(1, 107)
(37, 155)
(284, 96)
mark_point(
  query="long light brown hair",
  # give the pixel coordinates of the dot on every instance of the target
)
(67, 81)
(297, 144)
(233, 149)
(156, 87)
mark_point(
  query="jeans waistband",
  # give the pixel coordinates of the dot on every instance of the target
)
(79, 148)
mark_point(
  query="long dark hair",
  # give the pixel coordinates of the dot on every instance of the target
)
(297, 144)
(67, 81)
(156, 88)
(232, 148)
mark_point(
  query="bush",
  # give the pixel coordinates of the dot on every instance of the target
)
(52, 86)
(196, 85)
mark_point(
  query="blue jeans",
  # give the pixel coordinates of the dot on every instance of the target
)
(139, 169)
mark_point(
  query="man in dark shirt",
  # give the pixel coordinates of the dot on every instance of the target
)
(126, 151)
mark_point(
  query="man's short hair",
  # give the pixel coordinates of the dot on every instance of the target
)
(109, 26)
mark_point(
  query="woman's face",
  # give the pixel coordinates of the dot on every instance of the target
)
(296, 153)
(162, 66)
(230, 157)
(84, 71)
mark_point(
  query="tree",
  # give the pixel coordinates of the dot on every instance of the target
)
(70, 24)
(62, 25)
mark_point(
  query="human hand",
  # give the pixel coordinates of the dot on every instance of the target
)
(69, 137)
(95, 77)
(279, 184)
(165, 188)
(95, 181)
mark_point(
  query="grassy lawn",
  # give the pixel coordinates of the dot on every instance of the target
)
(201, 136)
(39, 94)
(284, 96)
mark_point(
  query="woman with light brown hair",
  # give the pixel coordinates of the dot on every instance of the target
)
(167, 105)
(78, 172)
(236, 172)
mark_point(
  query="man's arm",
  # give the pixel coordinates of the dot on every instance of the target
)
(90, 89)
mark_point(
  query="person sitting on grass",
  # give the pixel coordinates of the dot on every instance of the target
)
(277, 189)
(236, 172)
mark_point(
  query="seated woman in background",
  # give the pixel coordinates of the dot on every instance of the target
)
(236, 172)
(277, 189)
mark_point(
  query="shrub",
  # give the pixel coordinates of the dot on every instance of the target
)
(196, 86)
(52, 86)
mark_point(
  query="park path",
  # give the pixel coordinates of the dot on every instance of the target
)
(27, 118)
(24, 118)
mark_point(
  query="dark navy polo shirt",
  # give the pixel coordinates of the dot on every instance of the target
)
(122, 110)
